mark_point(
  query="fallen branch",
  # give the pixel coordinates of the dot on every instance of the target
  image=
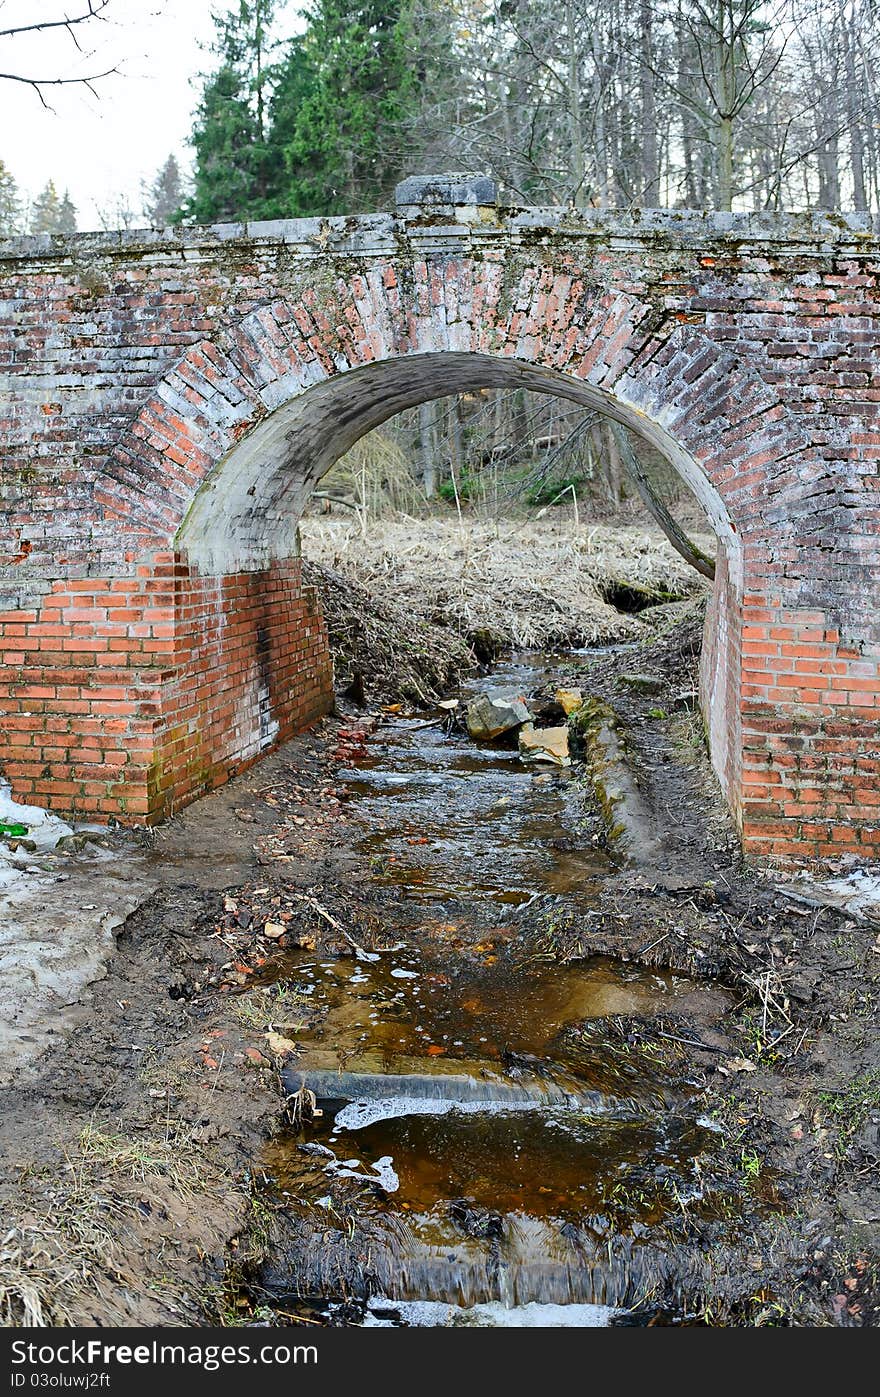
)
(677, 537)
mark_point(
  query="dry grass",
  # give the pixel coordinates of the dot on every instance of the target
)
(271, 1007)
(48, 1261)
(67, 1247)
(539, 584)
(398, 654)
(143, 1156)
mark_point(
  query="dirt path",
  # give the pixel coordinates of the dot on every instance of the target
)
(132, 1149)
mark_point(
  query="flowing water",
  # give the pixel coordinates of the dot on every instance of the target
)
(491, 1146)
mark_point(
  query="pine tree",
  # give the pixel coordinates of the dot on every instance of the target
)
(164, 197)
(66, 215)
(10, 202)
(46, 210)
(232, 157)
(344, 151)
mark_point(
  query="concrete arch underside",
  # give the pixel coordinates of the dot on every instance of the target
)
(153, 592)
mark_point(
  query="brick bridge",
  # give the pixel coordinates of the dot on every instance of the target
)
(170, 399)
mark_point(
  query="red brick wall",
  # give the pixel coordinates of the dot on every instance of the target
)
(252, 668)
(811, 736)
(130, 696)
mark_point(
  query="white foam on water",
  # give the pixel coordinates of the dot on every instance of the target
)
(425, 1314)
(383, 1173)
(357, 1115)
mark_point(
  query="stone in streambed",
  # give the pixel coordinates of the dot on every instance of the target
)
(491, 715)
(569, 700)
(544, 745)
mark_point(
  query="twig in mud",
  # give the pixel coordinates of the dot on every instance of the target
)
(784, 1034)
(690, 1042)
(337, 926)
(767, 997)
(216, 1074)
(301, 1103)
(801, 1041)
(643, 950)
(217, 936)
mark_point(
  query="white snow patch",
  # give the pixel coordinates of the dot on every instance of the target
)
(857, 892)
(43, 828)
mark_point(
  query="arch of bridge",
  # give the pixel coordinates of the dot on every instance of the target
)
(179, 398)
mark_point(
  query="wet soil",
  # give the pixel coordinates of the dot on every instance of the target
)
(153, 1172)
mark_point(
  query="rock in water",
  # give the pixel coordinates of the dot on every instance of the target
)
(490, 715)
(544, 745)
(569, 700)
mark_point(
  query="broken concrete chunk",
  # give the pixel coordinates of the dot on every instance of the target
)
(569, 700)
(643, 683)
(544, 745)
(490, 715)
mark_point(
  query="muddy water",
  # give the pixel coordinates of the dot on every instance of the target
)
(482, 1145)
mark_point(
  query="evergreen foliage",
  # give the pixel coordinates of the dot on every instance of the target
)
(164, 197)
(10, 202)
(318, 130)
(52, 212)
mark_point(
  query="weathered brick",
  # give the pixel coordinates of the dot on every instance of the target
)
(183, 647)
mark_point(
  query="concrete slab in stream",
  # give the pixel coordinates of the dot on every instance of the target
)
(424, 1091)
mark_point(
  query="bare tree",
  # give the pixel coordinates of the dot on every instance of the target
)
(80, 25)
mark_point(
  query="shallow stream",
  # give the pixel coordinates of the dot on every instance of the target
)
(493, 1137)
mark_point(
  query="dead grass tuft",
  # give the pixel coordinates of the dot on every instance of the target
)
(68, 1248)
(271, 1007)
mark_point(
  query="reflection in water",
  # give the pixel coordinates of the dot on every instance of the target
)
(367, 1019)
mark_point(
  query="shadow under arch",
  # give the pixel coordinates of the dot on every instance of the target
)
(245, 512)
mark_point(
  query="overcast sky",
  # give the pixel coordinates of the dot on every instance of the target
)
(102, 148)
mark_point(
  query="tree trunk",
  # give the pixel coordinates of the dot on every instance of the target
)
(687, 131)
(428, 448)
(650, 167)
(657, 509)
(613, 471)
(725, 163)
(726, 41)
(854, 116)
(575, 129)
